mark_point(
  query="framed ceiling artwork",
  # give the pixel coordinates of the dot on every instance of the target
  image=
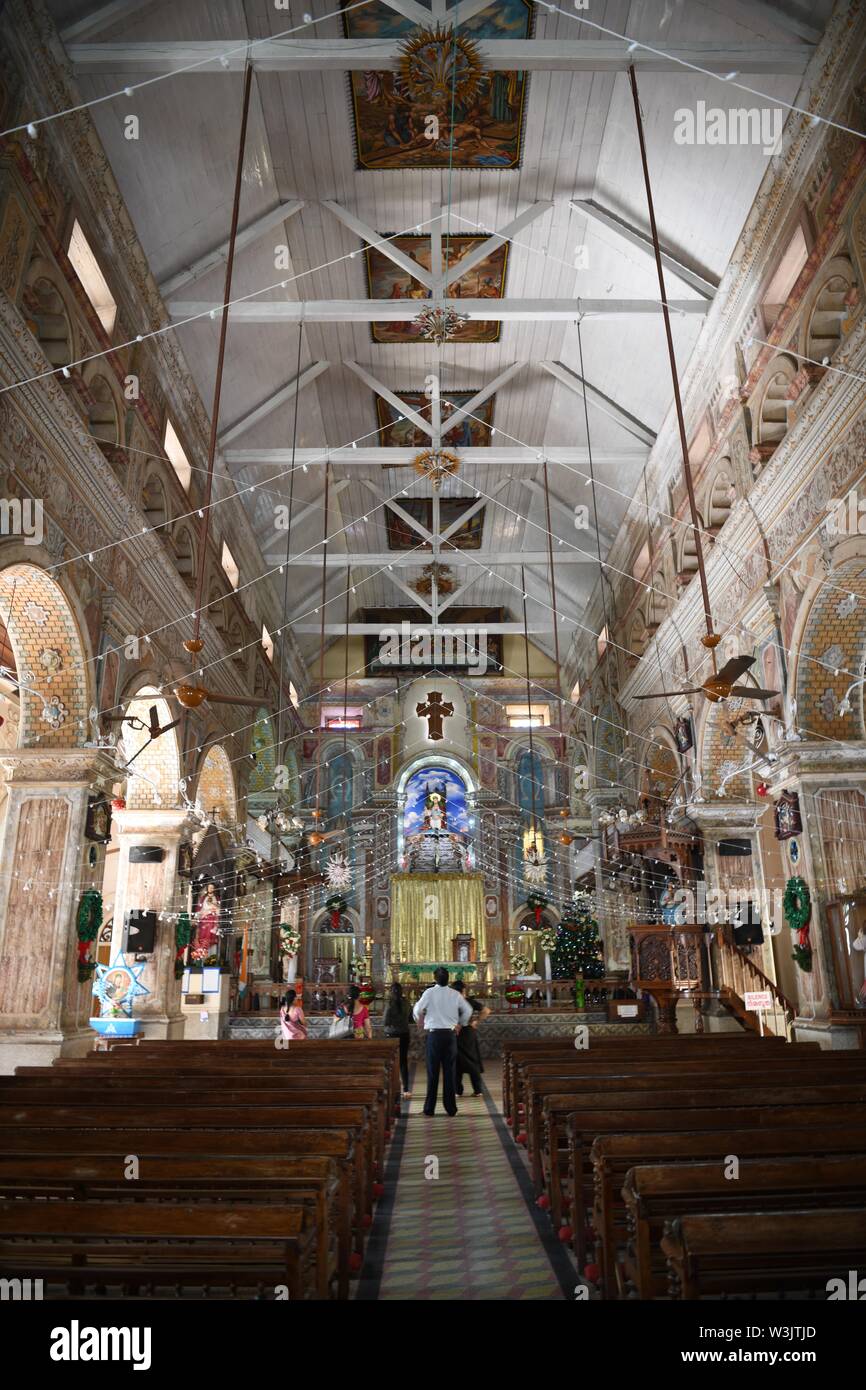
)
(385, 280)
(478, 112)
(396, 432)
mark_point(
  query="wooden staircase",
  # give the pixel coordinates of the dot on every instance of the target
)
(738, 975)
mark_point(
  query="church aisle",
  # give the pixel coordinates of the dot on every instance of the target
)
(470, 1233)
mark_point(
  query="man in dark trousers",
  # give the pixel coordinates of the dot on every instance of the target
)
(443, 1011)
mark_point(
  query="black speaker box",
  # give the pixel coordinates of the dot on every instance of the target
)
(146, 854)
(139, 933)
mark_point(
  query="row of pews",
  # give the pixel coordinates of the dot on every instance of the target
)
(696, 1166)
(193, 1169)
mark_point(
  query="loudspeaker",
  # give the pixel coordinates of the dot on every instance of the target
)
(139, 932)
(146, 854)
(747, 926)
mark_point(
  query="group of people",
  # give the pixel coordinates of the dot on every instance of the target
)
(450, 1021)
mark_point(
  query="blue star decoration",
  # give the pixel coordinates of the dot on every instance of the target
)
(118, 984)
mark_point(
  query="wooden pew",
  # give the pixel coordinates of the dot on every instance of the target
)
(763, 1252)
(312, 1182)
(79, 1245)
(201, 1146)
(655, 1194)
(653, 1044)
(584, 1127)
(649, 1076)
(614, 1155)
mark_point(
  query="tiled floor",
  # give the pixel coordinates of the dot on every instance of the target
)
(459, 1224)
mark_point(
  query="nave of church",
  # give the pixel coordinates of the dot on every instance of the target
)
(433, 616)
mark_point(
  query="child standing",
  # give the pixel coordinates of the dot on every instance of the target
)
(469, 1055)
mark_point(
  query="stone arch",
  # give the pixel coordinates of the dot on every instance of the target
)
(717, 502)
(772, 404)
(103, 412)
(822, 322)
(153, 777)
(687, 554)
(215, 789)
(47, 314)
(722, 748)
(263, 747)
(154, 502)
(50, 657)
(184, 547)
(608, 744)
(833, 637)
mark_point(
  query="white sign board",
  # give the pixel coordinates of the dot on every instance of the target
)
(758, 1000)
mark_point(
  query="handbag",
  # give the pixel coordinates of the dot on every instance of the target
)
(341, 1027)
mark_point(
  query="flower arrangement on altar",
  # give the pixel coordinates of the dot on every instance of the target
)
(358, 965)
(202, 955)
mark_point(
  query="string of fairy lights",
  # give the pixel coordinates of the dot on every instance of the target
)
(225, 60)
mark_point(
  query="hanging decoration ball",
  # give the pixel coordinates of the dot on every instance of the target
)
(193, 645)
(118, 803)
(190, 696)
(314, 838)
(762, 789)
(566, 839)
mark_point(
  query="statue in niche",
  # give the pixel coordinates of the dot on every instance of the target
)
(207, 917)
(435, 811)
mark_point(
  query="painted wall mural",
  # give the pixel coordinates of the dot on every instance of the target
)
(486, 280)
(481, 116)
(435, 799)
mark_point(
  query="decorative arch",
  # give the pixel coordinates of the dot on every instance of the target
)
(103, 415)
(260, 791)
(608, 745)
(724, 748)
(431, 761)
(153, 777)
(185, 554)
(833, 637)
(717, 502)
(822, 324)
(47, 315)
(770, 415)
(216, 786)
(662, 771)
(154, 503)
(50, 657)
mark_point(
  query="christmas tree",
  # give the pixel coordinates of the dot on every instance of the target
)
(578, 947)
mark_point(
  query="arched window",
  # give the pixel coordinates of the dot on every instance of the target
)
(530, 785)
(340, 772)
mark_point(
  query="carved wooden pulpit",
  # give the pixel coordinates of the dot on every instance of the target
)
(667, 962)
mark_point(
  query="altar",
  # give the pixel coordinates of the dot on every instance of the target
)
(421, 972)
(428, 911)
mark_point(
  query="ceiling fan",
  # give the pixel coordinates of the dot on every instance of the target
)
(721, 685)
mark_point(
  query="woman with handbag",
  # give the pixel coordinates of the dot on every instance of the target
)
(352, 1018)
(396, 1021)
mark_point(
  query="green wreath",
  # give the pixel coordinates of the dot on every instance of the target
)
(797, 903)
(87, 924)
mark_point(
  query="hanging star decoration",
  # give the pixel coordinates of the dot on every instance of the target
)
(118, 984)
(535, 869)
(338, 872)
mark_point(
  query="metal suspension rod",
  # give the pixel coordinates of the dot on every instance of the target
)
(711, 640)
(204, 530)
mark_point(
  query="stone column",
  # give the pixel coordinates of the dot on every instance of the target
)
(43, 1009)
(616, 946)
(151, 887)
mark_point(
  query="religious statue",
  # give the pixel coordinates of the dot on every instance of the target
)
(434, 711)
(435, 812)
(669, 904)
(207, 917)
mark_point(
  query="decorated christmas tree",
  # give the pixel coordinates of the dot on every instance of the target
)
(578, 947)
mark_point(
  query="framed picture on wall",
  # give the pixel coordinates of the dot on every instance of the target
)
(97, 825)
(787, 816)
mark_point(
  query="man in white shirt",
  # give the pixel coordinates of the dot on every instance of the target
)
(443, 1011)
